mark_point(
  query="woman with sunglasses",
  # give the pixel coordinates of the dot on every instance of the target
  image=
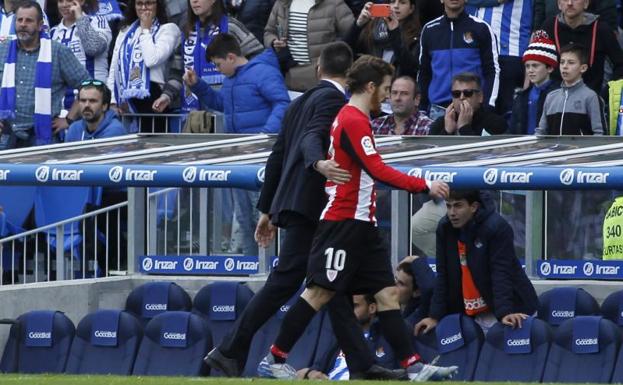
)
(394, 38)
(206, 19)
(88, 36)
(141, 57)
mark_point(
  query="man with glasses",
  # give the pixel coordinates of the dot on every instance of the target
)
(465, 115)
(98, 121)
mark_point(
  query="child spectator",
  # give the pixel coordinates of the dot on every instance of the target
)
(540, 59)
(573, 109)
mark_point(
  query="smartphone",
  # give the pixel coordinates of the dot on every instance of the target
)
(380, 10)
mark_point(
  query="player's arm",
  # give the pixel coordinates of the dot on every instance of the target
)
(272, 172)
(357, 141)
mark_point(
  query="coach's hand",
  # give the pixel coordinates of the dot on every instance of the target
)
(332, 171)
(264, 231)
(514, 319)
(439, 190)
(424, 326)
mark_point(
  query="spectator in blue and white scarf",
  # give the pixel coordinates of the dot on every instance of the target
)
(88, 36)
(140, 60)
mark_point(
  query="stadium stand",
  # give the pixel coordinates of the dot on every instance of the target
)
(174, 344)
(561, 303)
(106, 342)
(584, 350)
(153, 298)
(39, 342)
(515, 354)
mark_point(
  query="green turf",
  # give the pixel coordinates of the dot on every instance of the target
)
(132, 380)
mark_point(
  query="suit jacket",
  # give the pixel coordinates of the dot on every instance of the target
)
(290, 182)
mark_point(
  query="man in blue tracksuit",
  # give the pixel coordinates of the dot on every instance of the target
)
(453, 43)
(253, 98)
(98, 121)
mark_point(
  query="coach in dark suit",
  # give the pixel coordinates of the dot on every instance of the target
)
(292, 198)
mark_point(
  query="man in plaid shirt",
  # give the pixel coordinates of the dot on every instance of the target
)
(406, 119)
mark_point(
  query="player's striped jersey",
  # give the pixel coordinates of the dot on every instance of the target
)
(352, 147)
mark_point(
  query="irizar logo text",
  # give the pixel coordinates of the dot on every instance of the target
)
(4, 174)
(444, 176)
(174, 336)
(492, 176)
(586, 341)
(223, 308)
(116, 174)
(569, 175)
(39, 335)
(105, 334)
(547, 268)
(451, 339)
(589, 269)
(44, 173)
(190, 175)
(518, 342)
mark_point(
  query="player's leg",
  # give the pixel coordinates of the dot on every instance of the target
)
(231, 355)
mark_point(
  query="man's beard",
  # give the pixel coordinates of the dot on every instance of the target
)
(375, 103)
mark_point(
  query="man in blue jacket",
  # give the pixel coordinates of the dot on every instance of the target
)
(478, 273)
(254, 99)
(98, 121)
(451, 44)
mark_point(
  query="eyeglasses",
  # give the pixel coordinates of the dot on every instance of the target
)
(468, 93)
(145, 4)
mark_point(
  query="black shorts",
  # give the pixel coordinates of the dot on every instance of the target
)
(349, 257)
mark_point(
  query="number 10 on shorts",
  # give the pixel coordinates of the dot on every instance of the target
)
(335, 262)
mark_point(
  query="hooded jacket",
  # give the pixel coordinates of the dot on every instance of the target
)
(496, 271)
(253, 100)
(606, 45)
(109, 126)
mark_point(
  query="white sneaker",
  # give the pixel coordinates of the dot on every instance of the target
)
(420, 372)
(268, 368)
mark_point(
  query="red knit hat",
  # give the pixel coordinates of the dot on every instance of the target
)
(541, 49)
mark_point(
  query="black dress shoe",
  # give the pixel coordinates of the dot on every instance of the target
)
(216, 360)
(377, 372)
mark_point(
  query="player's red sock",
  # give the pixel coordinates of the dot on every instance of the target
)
(279, 355)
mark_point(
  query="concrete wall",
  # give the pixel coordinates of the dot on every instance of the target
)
(80, 297)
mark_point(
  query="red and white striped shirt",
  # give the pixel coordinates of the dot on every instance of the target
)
(353, 148)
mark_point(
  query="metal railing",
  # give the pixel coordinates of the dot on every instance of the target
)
(88, 246)
(172, 123)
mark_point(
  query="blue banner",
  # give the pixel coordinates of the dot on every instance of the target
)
(198, 265)
(252, 176)
(580, 269)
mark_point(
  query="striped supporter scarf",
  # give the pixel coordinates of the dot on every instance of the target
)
(43, 89)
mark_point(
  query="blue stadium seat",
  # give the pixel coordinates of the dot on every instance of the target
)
(584, 350)
(152, 298)
(106, 342)
(303, 352)
(515, 354)
(57, 203)
(612, 307)
(17, 202)
(459, 340)
(426, 345)
(221, 302)
(561, 303)
(39, 342)
(174, 344)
